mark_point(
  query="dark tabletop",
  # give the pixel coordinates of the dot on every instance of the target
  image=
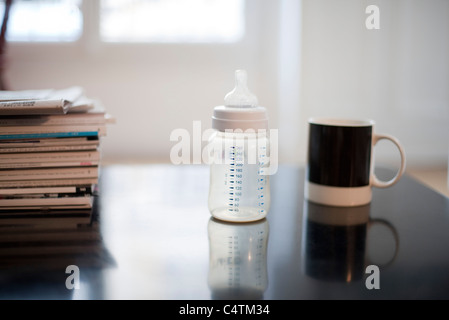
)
(152, 237)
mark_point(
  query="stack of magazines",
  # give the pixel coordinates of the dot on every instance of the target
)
(49, 149)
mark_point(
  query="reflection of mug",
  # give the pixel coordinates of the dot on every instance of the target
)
(335, 240)
(237, 259)
(340, 166)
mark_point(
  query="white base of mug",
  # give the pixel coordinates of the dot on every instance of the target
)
(337, 196)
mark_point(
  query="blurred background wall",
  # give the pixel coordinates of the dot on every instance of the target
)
(304, 58)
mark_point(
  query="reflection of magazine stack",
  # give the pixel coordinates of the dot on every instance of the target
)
(32, 240)
(49, 149)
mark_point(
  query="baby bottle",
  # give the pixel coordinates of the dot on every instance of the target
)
(239, 185)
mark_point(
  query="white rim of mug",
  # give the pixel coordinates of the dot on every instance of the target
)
(342, 122)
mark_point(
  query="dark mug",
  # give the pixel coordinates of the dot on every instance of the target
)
(340, 162)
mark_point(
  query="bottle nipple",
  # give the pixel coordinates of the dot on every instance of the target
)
(240, 96)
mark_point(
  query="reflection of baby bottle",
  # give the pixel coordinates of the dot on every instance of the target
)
(237, 259)
(239, 181)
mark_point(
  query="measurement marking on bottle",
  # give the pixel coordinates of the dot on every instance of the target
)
(234, 178)
(261, 180)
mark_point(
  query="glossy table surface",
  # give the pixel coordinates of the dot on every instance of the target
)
(157, 240)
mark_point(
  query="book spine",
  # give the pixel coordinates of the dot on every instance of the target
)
(57, 106)
(45, 201)
(48, 183)
(49, 135)
(43, 174)
(55, 120)
(5, 122)
(48, 164)
(37, 142)
(17, 191)
(49, 149)
(49, 157)
(49, 129)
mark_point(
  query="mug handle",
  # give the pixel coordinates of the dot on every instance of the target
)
(384, 184)
(395, 235)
